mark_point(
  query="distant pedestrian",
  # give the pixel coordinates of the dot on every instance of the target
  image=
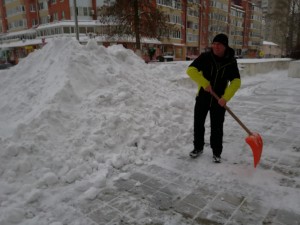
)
(216, 70)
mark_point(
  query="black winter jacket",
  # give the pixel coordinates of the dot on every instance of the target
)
(219, 72)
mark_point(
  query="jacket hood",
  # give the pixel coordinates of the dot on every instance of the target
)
(229, 53)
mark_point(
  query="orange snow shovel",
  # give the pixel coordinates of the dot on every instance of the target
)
(254, 139)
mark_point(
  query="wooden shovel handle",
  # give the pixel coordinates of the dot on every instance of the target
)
(232, 114)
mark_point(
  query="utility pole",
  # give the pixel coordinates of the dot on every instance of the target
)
(137, 24)
(76, 20)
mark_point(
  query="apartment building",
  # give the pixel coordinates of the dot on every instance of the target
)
(255, 30)
(236, 28)
(202, 19)
(25, 14)
(196, 23)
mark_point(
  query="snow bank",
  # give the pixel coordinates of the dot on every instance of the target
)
(294, 68)
(252, 67)
(73, 114)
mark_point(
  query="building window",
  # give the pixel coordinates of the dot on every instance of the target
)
(85, 11)
(175, 19)
(192, 37)
(34, 22)
(192, 12)
(193, 1)
(66, 30)
(176, 34)
(17, 24)
(58, 30)
(43, 5)
(32, 8)
(44, 19)
(164, 2)
(17, 10)
(55, 16)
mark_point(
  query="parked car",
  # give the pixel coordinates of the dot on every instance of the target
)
(6, 65)
(168, 56)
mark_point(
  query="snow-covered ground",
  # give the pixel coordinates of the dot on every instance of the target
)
(75, 118)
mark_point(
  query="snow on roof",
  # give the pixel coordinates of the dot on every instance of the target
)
(28, 31)
(15, 44)
(269, 43)
(123, 38)
(20, 43)
(68, 23)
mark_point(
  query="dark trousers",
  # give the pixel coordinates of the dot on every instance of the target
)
(204, 104)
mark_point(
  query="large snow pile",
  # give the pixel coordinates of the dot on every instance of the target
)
(76, 114)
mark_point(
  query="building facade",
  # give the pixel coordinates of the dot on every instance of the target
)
(196, 23)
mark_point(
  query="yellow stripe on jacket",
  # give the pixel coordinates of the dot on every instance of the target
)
(201, 81)
(197, 76)
(231, 89)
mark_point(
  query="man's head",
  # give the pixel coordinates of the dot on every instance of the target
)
(219, 44)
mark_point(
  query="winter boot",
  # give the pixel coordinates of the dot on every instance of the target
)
(217, 159)
(195, 153)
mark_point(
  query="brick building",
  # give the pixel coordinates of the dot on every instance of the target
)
(196, 22)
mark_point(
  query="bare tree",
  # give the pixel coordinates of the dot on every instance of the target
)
(135, 18)
(285, 17)
(297, 22)
(293, 41)
(279, 17)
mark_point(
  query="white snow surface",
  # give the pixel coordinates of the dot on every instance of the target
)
(74, 118)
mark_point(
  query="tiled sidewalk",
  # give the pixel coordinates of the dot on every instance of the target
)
(155, 194)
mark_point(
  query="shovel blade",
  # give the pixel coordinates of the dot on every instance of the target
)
(256, 143)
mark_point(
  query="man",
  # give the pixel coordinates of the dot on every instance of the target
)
(216, 71)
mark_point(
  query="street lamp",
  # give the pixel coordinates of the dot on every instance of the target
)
(76, 20)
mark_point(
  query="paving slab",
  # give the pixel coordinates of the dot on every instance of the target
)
(155, 194)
